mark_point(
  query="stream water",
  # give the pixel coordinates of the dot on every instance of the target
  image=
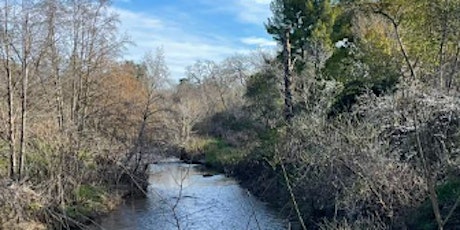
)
(182, 196)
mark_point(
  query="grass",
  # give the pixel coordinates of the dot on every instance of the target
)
(197, 145)
(219, 155)
(90, 200)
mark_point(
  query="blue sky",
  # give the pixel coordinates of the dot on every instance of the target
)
(190, 30)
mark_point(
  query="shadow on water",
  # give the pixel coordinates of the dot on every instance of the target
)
(183, 196)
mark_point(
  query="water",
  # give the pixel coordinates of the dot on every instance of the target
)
(181, 197)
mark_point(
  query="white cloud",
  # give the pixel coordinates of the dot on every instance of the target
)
(263, 1)
(258, 41)
(182, 45)
(253, 11)
(246, 11)
(142, 20)
(184, 40)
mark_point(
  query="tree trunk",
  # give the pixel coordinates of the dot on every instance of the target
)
(10, 89)
(75, 75)
(288, 104)
(55, 64)
(22, 146)
(25, 82)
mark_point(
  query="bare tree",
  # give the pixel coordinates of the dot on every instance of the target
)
(154, 79)
(6, 40)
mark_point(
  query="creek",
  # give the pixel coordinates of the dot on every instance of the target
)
(186, 196)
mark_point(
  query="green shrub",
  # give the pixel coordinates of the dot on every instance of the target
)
(220, 155)
(88, 200)
(423, 217)
(89, 193)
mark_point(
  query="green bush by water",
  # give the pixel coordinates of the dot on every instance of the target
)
(88, 200)
(220, 155)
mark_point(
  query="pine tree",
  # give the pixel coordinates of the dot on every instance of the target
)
(311, 25)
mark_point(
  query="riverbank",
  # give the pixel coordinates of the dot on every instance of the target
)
(255, 175)
(331, 182)
(99, 202)
(24, 207)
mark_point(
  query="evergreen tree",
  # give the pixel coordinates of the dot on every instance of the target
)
(310, 23)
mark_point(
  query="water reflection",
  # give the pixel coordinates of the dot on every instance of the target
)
(179, 197)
